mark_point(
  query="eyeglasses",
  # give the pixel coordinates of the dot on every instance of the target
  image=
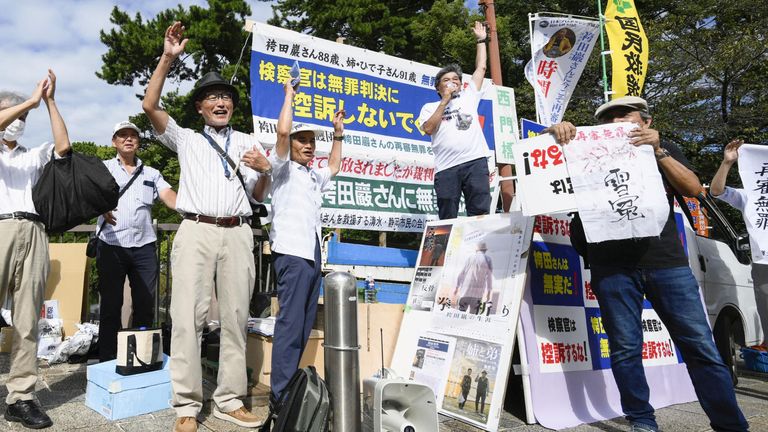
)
(213, 97)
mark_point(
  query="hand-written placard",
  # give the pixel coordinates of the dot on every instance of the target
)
(542, 176)
(753, 169)
(618, 188)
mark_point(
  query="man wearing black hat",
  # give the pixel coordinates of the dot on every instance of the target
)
(625, 271)
(214, 242)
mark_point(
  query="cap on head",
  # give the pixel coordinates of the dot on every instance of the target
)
(304, 127)
(481, 246)
(125, 125)
(210, 80)
(632, 102)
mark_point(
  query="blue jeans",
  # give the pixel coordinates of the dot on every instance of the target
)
(470, 179)
(674, 294)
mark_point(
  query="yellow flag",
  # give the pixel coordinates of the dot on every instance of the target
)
(629, 48)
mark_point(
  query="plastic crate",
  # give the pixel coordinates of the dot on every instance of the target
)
(755, 360)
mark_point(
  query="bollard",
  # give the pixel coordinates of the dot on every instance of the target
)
(342, 368)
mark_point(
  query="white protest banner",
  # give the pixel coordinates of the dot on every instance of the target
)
(462, 313)
(753, 169)
(505, 117)
(543, 184)
(387, 172)
(619, 191)
(560, 48)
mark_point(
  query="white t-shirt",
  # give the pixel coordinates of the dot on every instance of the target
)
(459, 138)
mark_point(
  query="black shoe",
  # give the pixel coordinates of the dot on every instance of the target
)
(29, 414)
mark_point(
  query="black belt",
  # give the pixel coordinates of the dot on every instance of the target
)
(219, 221)
(21, 215)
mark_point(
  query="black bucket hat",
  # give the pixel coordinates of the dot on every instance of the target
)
(213, 79)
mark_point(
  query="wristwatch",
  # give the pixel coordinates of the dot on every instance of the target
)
(268, 172)
(664, 153)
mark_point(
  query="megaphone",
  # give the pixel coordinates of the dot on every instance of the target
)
(397, 405)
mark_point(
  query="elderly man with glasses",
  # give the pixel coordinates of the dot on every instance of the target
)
(214, 242)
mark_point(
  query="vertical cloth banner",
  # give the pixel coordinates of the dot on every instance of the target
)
(629, 48)
(560, 48)
(460, 318)
(619, 191)
(387, 170)
(753, 169)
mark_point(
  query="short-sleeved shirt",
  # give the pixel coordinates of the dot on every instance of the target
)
(134, 210)
(664, 251)
(203, 187)
(460, 137)
(737, 198)
(296, 202)
(20, 169)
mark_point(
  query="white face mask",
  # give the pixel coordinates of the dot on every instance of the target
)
(14, 131)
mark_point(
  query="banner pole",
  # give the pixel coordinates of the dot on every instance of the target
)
(602, 50)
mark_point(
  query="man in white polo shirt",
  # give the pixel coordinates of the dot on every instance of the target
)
(461, 153)
(295, 236)
(24, 261)
(127, 239)
(214, 242)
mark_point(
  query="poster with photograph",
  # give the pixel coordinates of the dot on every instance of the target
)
(478, 281)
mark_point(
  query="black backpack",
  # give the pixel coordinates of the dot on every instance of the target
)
(72, 190)
(304, 405)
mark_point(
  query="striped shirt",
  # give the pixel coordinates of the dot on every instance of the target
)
(203, 187)
(134, 210)
(296, 201)
(19, 170)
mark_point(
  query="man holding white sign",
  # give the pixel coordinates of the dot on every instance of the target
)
(626, 271)
(461, 164)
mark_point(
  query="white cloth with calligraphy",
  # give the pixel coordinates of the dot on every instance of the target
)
(619, 190)
(560, 48)
(753, 169)
(543, 184)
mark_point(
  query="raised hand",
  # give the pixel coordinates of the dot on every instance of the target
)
(49, 86)
(479, 31)
(731, 152)
(174, 42)
(338, 122)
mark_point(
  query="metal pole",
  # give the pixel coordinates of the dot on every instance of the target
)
(493, 47)
(603, 53)
(342, 368)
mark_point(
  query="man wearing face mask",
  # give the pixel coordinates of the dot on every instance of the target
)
(625, 271)
(461, 153)
(213, 243)
(24, 258)
(295, 235)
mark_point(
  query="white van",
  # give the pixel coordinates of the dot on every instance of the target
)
(721, 263)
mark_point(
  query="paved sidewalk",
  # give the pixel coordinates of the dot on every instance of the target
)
(61, 391)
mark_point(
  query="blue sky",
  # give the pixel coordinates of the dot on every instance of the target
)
(64, 35)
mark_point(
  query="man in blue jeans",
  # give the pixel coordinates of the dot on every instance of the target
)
(461, 153)
(623, 271)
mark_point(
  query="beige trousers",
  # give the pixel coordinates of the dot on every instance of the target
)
(203, 254)
(24, 266)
